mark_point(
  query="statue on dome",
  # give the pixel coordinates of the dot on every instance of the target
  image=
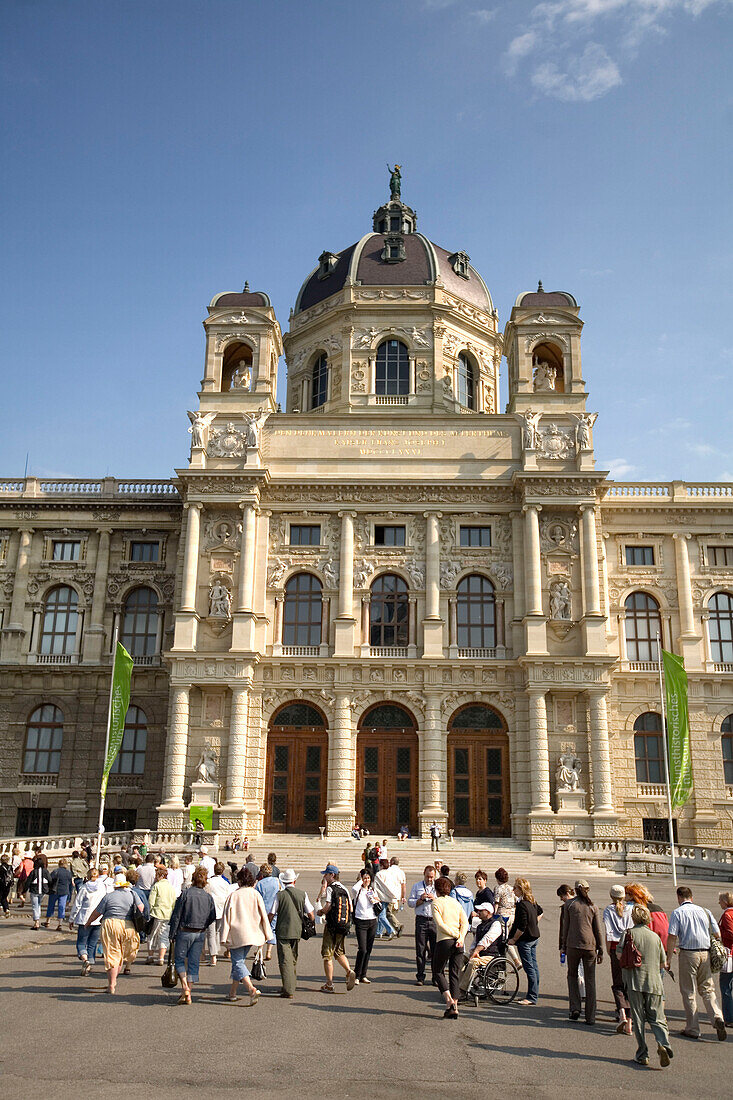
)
(395, 181)
(544, 377)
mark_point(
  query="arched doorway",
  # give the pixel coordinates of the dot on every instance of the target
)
(479, 802)
(386, 779)
(297, 765)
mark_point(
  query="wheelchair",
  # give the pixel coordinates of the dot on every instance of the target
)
(497, 981)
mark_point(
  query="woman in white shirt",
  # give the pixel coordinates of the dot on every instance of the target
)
(175, 874)
(616, 920)
(365, 921)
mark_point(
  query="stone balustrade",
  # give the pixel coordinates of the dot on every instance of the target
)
(55, 847)
(631, 856)
(33, 488)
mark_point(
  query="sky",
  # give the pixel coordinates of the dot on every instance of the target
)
(155, 153)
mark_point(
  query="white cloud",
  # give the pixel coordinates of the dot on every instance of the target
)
(586, 77)
(518, 48)
(619, 469)
(483, 15)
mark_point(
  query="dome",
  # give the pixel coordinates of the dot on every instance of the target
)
(247, 297)
(421, 263)
(541, 298)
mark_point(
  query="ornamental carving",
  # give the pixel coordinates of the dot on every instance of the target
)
(558, 532)
(402, 494)
(448, 574)
(358, 378)
(203, 485)
(533, 337)
(222, 530)
(390, 295)
(224, 338)
(555, 442)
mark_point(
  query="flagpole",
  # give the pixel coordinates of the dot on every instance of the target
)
(666, 761)
(102, 789)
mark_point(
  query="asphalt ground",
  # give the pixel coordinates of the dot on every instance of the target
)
(62, 1033)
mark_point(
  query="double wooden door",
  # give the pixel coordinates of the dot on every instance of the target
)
(295, 786)
(387, 780)
(479, 802)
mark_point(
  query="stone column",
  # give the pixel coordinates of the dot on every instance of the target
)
(174, 777)
(432, 623)
(589, 551)
(600, 753)
(433, 767)
(622, 650)
(539, 759)
(237, 748)
(366, 602)
(191, 556)
(532, 575)
(15, 630)
(277, 626)
(345, 622)
(690, 638)
(247, 557)
(341, 771)
(518, 570)
(94, 633)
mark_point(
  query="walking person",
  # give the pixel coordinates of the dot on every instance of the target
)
(268, 886)
(287, 911)
(637, 894)
(435, 835)
(581, 938)
(463, 895)
(175, 874)
(87, 898)
(336, 908)
(389, 883)
(244, 925)
(60, 884)
(451, 928)
(220, 888)
(644, 986)
(484, 893)
(37, 884)
(690, 928)
(365, 923)
(162, 902)
(120, 941)
(6, 882)
(616, 921)
(421, 900)
(725, 901)
(524, 932)
(193, 912)
(79, 869)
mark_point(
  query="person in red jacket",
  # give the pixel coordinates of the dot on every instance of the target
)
(659, 921)
(726, 975)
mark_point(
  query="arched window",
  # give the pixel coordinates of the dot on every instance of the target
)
(642, 625)
(648, 748)
(466, 382)
(236, 367)
(547, 368)
(60, 621)
(302, 611)
(720, 623)
(476, 613)
(387, 716)
(393, 368)
(139, 634)
(319, 386)
(131, 757)
(389, 612)
(727, 745)
(298, 714)
(44, 737)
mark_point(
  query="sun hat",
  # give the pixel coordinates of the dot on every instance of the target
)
(120, 880)
(617, 892)
(288, 877)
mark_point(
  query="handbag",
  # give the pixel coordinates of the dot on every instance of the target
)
(139, 920)
(169, 977)
(308, 930)
(258, 971)
(717, 953)
(630, 954)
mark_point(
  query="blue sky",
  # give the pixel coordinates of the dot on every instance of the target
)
(155, 153)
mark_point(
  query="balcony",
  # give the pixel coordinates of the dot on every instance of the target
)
(147, 662)
(388, 651)
(639, 666)
(53, 658)
(482, 654)
(726, 666)
(301, 651)
(39, 779)
(651, 790)
(389, 399)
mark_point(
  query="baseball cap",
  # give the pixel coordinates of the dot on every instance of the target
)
(331, 869)
(582, 884)
(617, 892)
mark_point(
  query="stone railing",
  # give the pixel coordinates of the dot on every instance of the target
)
(34, 488)
(666, 490)
(64, 844)
(629, 856)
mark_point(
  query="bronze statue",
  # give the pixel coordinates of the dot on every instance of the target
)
(395, 181)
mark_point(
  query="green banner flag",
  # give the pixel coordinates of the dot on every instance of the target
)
(678, 729)
(121, 676)
(204, 814)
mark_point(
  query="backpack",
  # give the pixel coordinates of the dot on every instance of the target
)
(6, 875)
(338, 917)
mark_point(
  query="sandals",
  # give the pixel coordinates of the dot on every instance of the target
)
(184, 999)
(327, 988)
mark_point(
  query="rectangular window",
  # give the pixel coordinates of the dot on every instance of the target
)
(144, 551)
(640, 555)
(388, 535)
(32, 821)
(475, 536)
(66, 550)
(657, 829)
(305, 534)
(721, 556)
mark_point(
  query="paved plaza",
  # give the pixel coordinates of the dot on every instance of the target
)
(385, 1040)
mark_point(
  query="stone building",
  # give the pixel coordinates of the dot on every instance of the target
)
(393, 602)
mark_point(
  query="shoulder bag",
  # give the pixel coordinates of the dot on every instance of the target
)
(169, 977)
(139, 923)
(630, 953)
(717, 953)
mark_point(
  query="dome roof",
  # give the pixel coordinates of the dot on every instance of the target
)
(541, 298)
(423, 263)
(247, 297)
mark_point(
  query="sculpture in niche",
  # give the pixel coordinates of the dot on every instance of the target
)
(206, 769)
(567, 773)
(276, 572)
(242, 377)
(199, 424)
(560, 600)
(585, 424)
(448, 573)
(330, 574)
(544, 377)
(254, 427)
(530, 433)
(220, 601)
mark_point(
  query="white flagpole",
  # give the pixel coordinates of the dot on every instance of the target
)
(100, 824)
(666, 762)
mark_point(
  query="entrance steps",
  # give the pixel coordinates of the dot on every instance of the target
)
(309, 853)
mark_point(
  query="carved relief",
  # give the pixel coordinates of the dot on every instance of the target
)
(227, 442)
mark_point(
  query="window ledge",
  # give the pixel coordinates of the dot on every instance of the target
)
(53, 658)
(651, 790)
(39, 779)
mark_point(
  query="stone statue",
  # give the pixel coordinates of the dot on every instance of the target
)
(531, 429)
(220, 601)
(560, 600)
(395, 181)
(585, 423)
(254, 427)
(206, 770)
(242, 377)
(567, 773)
(544, 377)
(330, 573)
(199, 424)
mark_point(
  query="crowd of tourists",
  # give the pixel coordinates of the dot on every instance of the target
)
(181, 910)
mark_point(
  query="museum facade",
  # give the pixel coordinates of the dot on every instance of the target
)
(390, 603)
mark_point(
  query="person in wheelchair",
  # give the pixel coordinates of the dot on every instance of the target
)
(489, 941)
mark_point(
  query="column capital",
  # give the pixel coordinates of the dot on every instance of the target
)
(587, 508)
(597, 691)
(26, 530)
(193, 505)
(433, 514)
(531, 508)
(536, 692)
(347, 512)
(245, 504)
(682, 535)
(103, 530)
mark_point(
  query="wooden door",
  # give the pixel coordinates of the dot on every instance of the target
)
(295, 790)
(387, 786)
(478, 783)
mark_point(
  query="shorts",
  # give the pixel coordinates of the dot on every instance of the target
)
(333, 943)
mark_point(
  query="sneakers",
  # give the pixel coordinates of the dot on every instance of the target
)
(366, 981)
(351, 980)
(86, 968)
(665, 1054)
(720, 1031)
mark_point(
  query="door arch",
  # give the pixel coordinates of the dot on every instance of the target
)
(479, 802)
(387, 769)
(297, 768)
